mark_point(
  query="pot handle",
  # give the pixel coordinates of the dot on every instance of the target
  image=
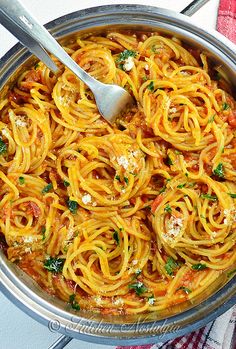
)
(193, 7)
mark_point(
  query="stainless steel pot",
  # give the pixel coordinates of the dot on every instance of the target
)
(132, 329)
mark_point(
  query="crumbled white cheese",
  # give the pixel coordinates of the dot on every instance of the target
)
(94, 204)
(129, 64)
(123, 191)
(214, 233)
(135, 261)
(151, 300)
(184, 73)
(175, 226)
(118, 301)
(28, 250)
(123, 161)
(146, 67)
(5, 132)
(86, 199)
(20, 123)
(98, 300)
(225, 221)
(29, 239)
(173, 110)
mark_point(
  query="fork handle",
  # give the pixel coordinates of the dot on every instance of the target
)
(19, 21)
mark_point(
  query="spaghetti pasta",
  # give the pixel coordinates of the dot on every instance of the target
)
(125, 219)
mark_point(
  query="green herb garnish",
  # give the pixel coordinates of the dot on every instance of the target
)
(185, 289)
(43, 231)
(126, 180)
(232, 195)
(219, 170)
(217, 76)
(72, 205)
(209, 197)
(73, 302)
(170, 266)
(151, 86)
(181, 186)
(47, 188)
(21, 180)
(231, 273)
(54, 265)
(168, 208)
(169, 161)
(138, 287)
(66, 184)
(125, 54)
(211, 119)
(3, 147)
(145, 78)
(199, 266)
(162, 190)
(117, 178)
(225, 106)
(116, 237)
(36, 66)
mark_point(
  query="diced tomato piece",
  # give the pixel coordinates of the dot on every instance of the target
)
(156, 203)
(32, 208)
(232, 119)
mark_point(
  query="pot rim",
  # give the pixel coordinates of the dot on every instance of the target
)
(44, 311)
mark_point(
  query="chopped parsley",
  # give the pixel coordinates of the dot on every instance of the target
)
(225, 106)
(211, 119)
(168, 208)
(73, 302)
(178, 152)
(126, 54)
(233, 196)
(185, 289)
(3, 147)
(126, 180)
(162, 190)
(219, 170)
(54, 265)
(43, 231)
(169, 161)
(36, 66)
(170, 266)
(47, 188)
(72, 205)
(217, 76)
(231, 273)
(145, 78)
(21, 180)
(117, 178)
(199, 266)
(116, 237)
(151, 86)
(138, 287)
(209, 197)
(181, 186)
(66, 184)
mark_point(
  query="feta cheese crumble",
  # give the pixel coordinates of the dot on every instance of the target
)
(20, 123)
(129, 64)
(123, 161)
(174, 226)
(86, 199)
